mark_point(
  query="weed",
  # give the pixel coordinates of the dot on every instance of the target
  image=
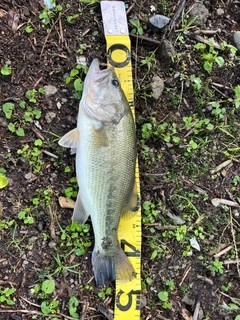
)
(48, 14)
(72, 19)
(150, 212)
(216, 266)
(6, 70)
(5, 295)
(72, 191)
(29, 27)
(76, 236)
(149, 61)
(209, 57)
(104, 292)
(8, 108)
(33, 156)
(76, 75)
(73, 304)
(137, 27)
(25, 216)
(6, 224)
(226, 288)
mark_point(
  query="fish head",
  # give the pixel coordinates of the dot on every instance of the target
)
(103, 98)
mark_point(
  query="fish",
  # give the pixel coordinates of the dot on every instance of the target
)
(105, 145)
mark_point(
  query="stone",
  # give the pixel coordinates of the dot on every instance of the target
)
(220, 11)
(159, 21)
(167, 50)
(50, 90)
(157, 87)
(236, 39)
(50, 116)
(200, 13)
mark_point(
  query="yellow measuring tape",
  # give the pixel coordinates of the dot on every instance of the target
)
(127, 298)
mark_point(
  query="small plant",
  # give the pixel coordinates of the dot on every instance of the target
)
(149, 61)
(15, 128)
(33, 156)
(8, 108)
(30, 95)
(104, 292)
(209, 57)
(29, 27)
(76, 236)
(150, 212)
(73, 304)
(163, 296)
(226, 288)
(76, 75)
(25, 216)
(5, 296)
(90, 2)
(137, 27)
(48, 14)
(237, 94)
(216, 266)
(6, 70)
(72, 191)
(72, 19)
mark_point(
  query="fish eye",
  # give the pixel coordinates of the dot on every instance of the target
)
(115, 83)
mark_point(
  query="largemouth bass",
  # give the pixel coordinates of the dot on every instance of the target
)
(105, 145)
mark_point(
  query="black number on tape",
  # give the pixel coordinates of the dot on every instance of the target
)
(134, 253)
(128, 305)
(122, 47)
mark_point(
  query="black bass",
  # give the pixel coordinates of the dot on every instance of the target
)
(105, 145)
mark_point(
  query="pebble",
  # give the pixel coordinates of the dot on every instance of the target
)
(32, 240)
(52, 244)
(236, 39)
(200, 13)
(29, 176)
(159, 21)
(50, 90)
(50, 116)
(220, 11)
(59, 105)
(167, 50)
(3, 123)
(157, 87)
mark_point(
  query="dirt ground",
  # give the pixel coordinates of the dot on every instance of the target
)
(182, 139)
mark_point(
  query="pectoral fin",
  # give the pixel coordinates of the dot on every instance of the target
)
(70, 139)
(133, 205)
(79, 213)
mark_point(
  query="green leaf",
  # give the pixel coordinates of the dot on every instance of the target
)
(219, 61)
(163, 296)
(45, 308)
(20, 132)
(78, 85)
(7, 109)
(3, 181)
(48, 286)
(207, 66)
(22, 104)
(6, 70)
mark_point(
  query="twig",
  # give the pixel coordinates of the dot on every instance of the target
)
(84, 309)
(235, 244)
(185, 275)
(50, 154)
(37, 133)
(220, 253)
(173, 21)
(146, 38)
(197, 308)
(203, 40)
(52, 224)
(205, 279)
(37, 82)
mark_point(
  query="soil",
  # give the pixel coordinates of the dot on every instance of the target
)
(28, 251)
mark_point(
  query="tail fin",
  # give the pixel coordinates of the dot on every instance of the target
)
(108, 267)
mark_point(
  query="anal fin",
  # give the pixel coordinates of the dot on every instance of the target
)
(79, 213)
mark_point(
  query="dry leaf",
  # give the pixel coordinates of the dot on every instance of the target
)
(66, 203)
